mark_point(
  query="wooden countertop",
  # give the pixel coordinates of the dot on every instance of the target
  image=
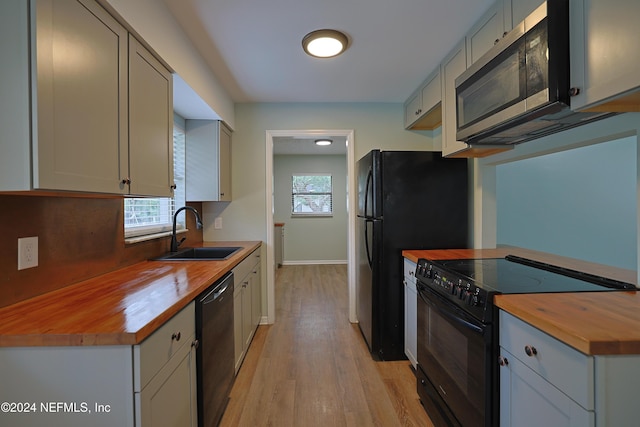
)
(595, 323)
(121, 307)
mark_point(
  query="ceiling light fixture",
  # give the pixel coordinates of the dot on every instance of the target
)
(325, 43)
(323, 141)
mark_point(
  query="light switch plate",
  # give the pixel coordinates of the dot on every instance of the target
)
(217, 223)
(27, 252)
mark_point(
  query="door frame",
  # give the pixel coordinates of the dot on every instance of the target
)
(351, 209)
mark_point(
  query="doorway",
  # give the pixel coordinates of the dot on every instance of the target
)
(341, 135)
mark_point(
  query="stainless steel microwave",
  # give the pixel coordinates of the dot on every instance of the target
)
(519, 90)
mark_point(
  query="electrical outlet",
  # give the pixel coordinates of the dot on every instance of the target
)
(217, 223)
(27, 252)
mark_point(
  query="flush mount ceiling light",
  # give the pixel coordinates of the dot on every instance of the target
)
(323, 141)
(324, 43)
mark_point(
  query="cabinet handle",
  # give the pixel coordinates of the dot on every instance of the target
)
(126, 181)
(244, 285)
(530, 350)
(195, 344)
(503, 361)
(175, 336)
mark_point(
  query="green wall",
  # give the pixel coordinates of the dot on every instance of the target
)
(312, 240)
(378, 125)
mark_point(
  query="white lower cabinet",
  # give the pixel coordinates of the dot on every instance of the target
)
(247, 304)
(527, 399)
(165, 380)
(546, 382)
(410, 312)
(150, 384)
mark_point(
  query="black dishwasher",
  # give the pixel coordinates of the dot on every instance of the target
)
(215, 355)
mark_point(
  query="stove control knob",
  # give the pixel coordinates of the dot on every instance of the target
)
(475, 300)
(429, 272)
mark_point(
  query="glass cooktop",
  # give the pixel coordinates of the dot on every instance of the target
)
(513, 275)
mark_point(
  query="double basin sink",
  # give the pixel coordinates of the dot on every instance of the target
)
(201, 254)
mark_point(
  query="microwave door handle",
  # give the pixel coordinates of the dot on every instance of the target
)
(452, 317)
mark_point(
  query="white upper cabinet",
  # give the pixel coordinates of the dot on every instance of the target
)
(422, 111)
(452, 66)
(65, 98)
(516, 10)
(605, 58)
(208, 161)
(485, 33)
(150, 123)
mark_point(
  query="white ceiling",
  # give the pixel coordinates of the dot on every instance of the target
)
(254, 46)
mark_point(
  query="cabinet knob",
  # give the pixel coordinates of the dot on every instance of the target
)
(176, 336)
(173, 187)
(503, 361)
(530, 350)
(195, 344)
(574, 91)
(222, 194)
(495, 42)
(126, 181)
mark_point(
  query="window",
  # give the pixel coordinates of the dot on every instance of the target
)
(311, 195)
(144, 216)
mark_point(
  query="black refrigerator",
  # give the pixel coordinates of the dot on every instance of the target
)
(406, 200)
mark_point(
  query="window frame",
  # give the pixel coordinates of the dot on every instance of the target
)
(295, 214)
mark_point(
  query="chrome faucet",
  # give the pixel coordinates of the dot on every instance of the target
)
(174, 240)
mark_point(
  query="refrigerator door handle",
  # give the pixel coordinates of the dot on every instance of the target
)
(366, 241)
(366, 193)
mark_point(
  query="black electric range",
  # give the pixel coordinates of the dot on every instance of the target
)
(457, 332)
(471, 283)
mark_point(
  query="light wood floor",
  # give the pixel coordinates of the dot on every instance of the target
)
(312, 367)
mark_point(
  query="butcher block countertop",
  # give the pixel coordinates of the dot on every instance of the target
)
(595, 323)
(122, 307)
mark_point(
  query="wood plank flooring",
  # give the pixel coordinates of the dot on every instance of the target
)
(312, 367)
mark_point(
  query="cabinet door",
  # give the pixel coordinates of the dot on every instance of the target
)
(15, 113)
(150, 124)
(528, 400)
(454, 65)
(520, 9)
(224, 175)
(604, 54)
(80, 142)
(247, 316)
(170, 398)
(410, 321)
(412, 109)
(238, 342)
(485, 33)
(208, 161)
(256, 296)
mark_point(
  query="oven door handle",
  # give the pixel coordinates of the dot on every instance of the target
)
(458, 317)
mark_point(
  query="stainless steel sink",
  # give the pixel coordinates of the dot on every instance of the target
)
(200, 254)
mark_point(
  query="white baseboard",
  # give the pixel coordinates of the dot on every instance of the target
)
(315, 262)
